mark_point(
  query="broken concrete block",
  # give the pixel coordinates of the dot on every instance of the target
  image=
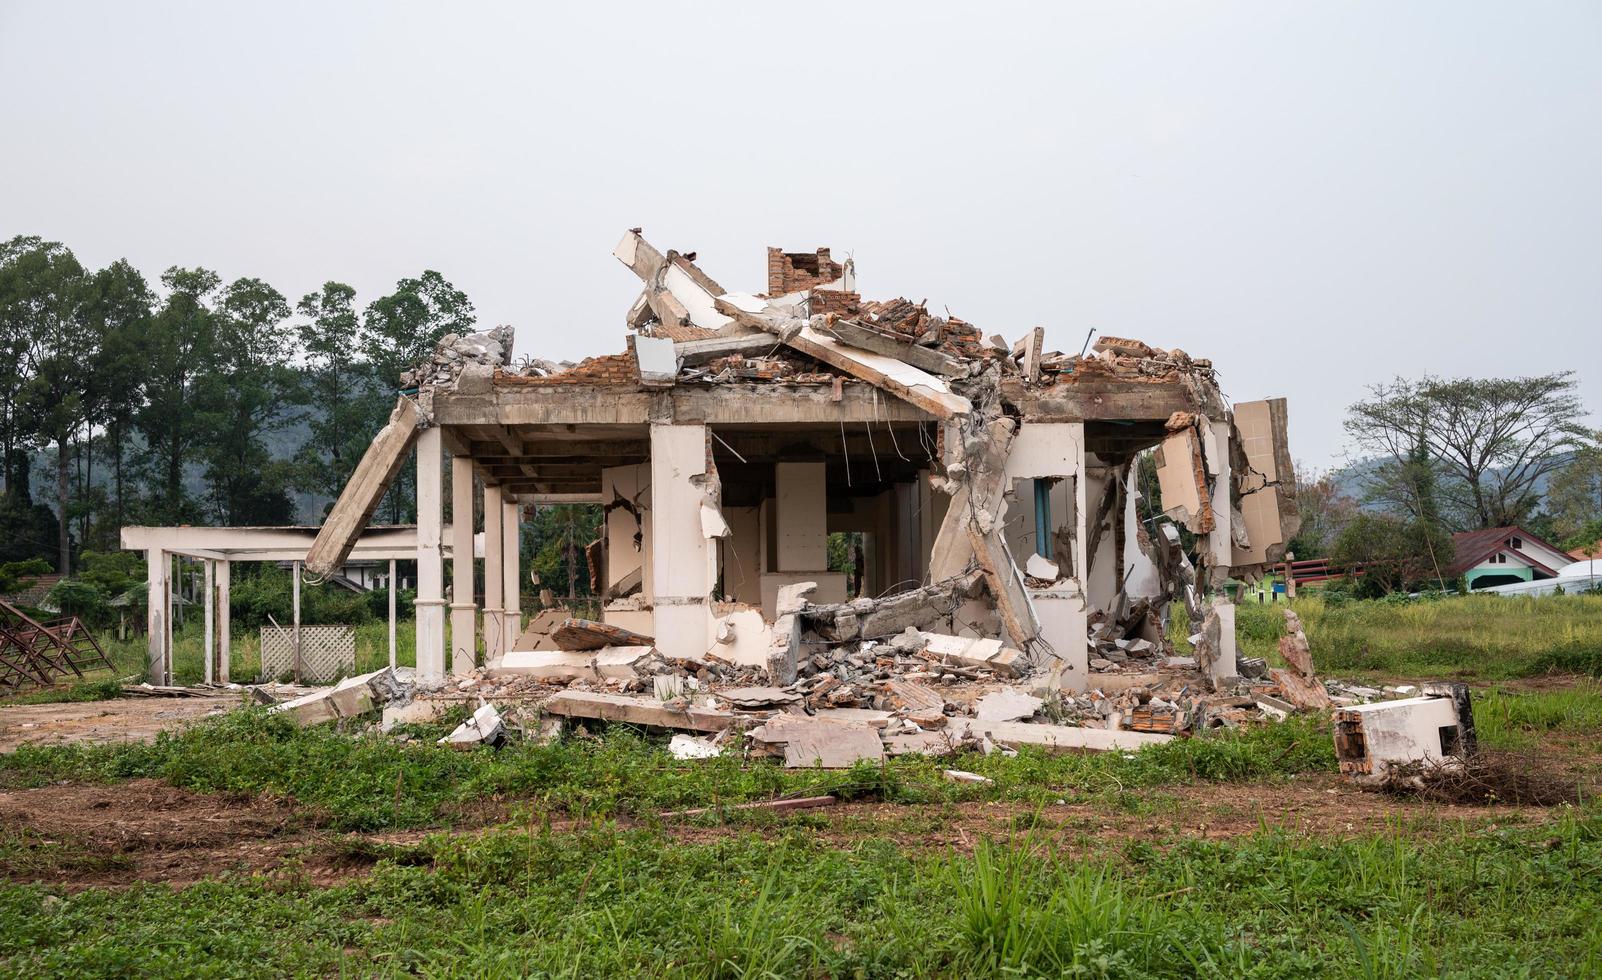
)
(483, 728)
(970, 652)
(350, 698)
(757, 698)
(1056, 738)
(1008, 704)
(586, 634)
(544, 665)
(619, 662)
(692, 747)
(1041, 567)
(412, 713)
(638, 711)
(959, 776)
(808, 742)
(1372, 738)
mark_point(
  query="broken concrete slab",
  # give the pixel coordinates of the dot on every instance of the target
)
(683, 746)
(638, 711)
(810, 742)
(485, 727)
(758, 698)
(1056, 738)
(350, 698)
(379, 466)
(978, 652)
(586, 634)
(1007, 704)
(1370, 739)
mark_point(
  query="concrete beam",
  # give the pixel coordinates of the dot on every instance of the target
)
(377, 470)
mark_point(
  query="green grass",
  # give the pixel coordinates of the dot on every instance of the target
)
(103, 689)
(607, 901)
(369, 782)
(1520, 719)
(1470, 638)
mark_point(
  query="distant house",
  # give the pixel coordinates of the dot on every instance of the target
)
(1592, 550)
(1503, 555)
(37, 594)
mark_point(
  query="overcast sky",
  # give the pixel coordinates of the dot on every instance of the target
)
(1316, 196)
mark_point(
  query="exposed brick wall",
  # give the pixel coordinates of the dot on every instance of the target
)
(834, 301)
(789, 272)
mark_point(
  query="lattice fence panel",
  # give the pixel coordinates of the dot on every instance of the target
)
(326, 652)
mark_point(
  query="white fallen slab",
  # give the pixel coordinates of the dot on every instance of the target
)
(1056, 738)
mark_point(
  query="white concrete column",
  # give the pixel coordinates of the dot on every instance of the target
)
(1226, 661)
(1220, 541)
(157, 608)
(464, 613)
(207, 645)
(494, 575)
(680, 553)
(392, 613)
(511, 564)
(225, 626)
(295, 612)
(430, 558)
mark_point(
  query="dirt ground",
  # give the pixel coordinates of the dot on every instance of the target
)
(80, 836)
(118, 720)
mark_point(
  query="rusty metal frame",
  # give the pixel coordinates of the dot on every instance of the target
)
(41, 654)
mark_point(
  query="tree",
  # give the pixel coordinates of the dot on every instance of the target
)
(1392, 554)
(118, 306)
(178, 347)
(16, 341)
(397, 332)
(1574, 497)
(403, 328)
(1478, 450)
(44, 293)
(246, 394)
(338, 387)
(1325, 511)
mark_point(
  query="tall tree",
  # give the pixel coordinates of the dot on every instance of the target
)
(338, 387)
(1574, 497)
(397, 332)
(46, 292)
(1484, 446)
(18, 318)
(402, 328)
(247, 393)
(178, 348)
(118, 306)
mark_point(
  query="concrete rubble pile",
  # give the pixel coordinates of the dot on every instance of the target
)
(1010, 547)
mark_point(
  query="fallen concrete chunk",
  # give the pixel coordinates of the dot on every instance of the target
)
(367, 485)
(411, 713)
(349, 698)
(693, 747)
(619, 662)
(1007, 704)
(971, 652)
(757, 698)
(959, 776)
(919, 703)
(808, 742)
(1372, 738)
(1039, 566)
(1308, 695)
(544, 665)
(586, 634)
(855, 716)
(920, 743)
(638, 711)
(537, 634)
(1056, 738)
(484, 728)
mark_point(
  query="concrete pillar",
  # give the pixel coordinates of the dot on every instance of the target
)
(1220, 541)
(207, 646)
(225, 626)
(294, 589)
(1226, 664)
(392, 613)
(158, 607)
(681, 556)
(464, 612)
(512, 563)
(494, 575)
(430, 558)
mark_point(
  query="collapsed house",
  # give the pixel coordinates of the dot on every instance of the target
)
(994, 486)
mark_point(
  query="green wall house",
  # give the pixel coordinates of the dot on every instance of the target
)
(1503, 555)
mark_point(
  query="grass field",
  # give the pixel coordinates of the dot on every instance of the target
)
(250, 847)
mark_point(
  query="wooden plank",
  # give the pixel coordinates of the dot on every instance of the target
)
(637, 711)
(377, 470)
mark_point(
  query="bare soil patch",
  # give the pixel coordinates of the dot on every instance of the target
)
(117, 720)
